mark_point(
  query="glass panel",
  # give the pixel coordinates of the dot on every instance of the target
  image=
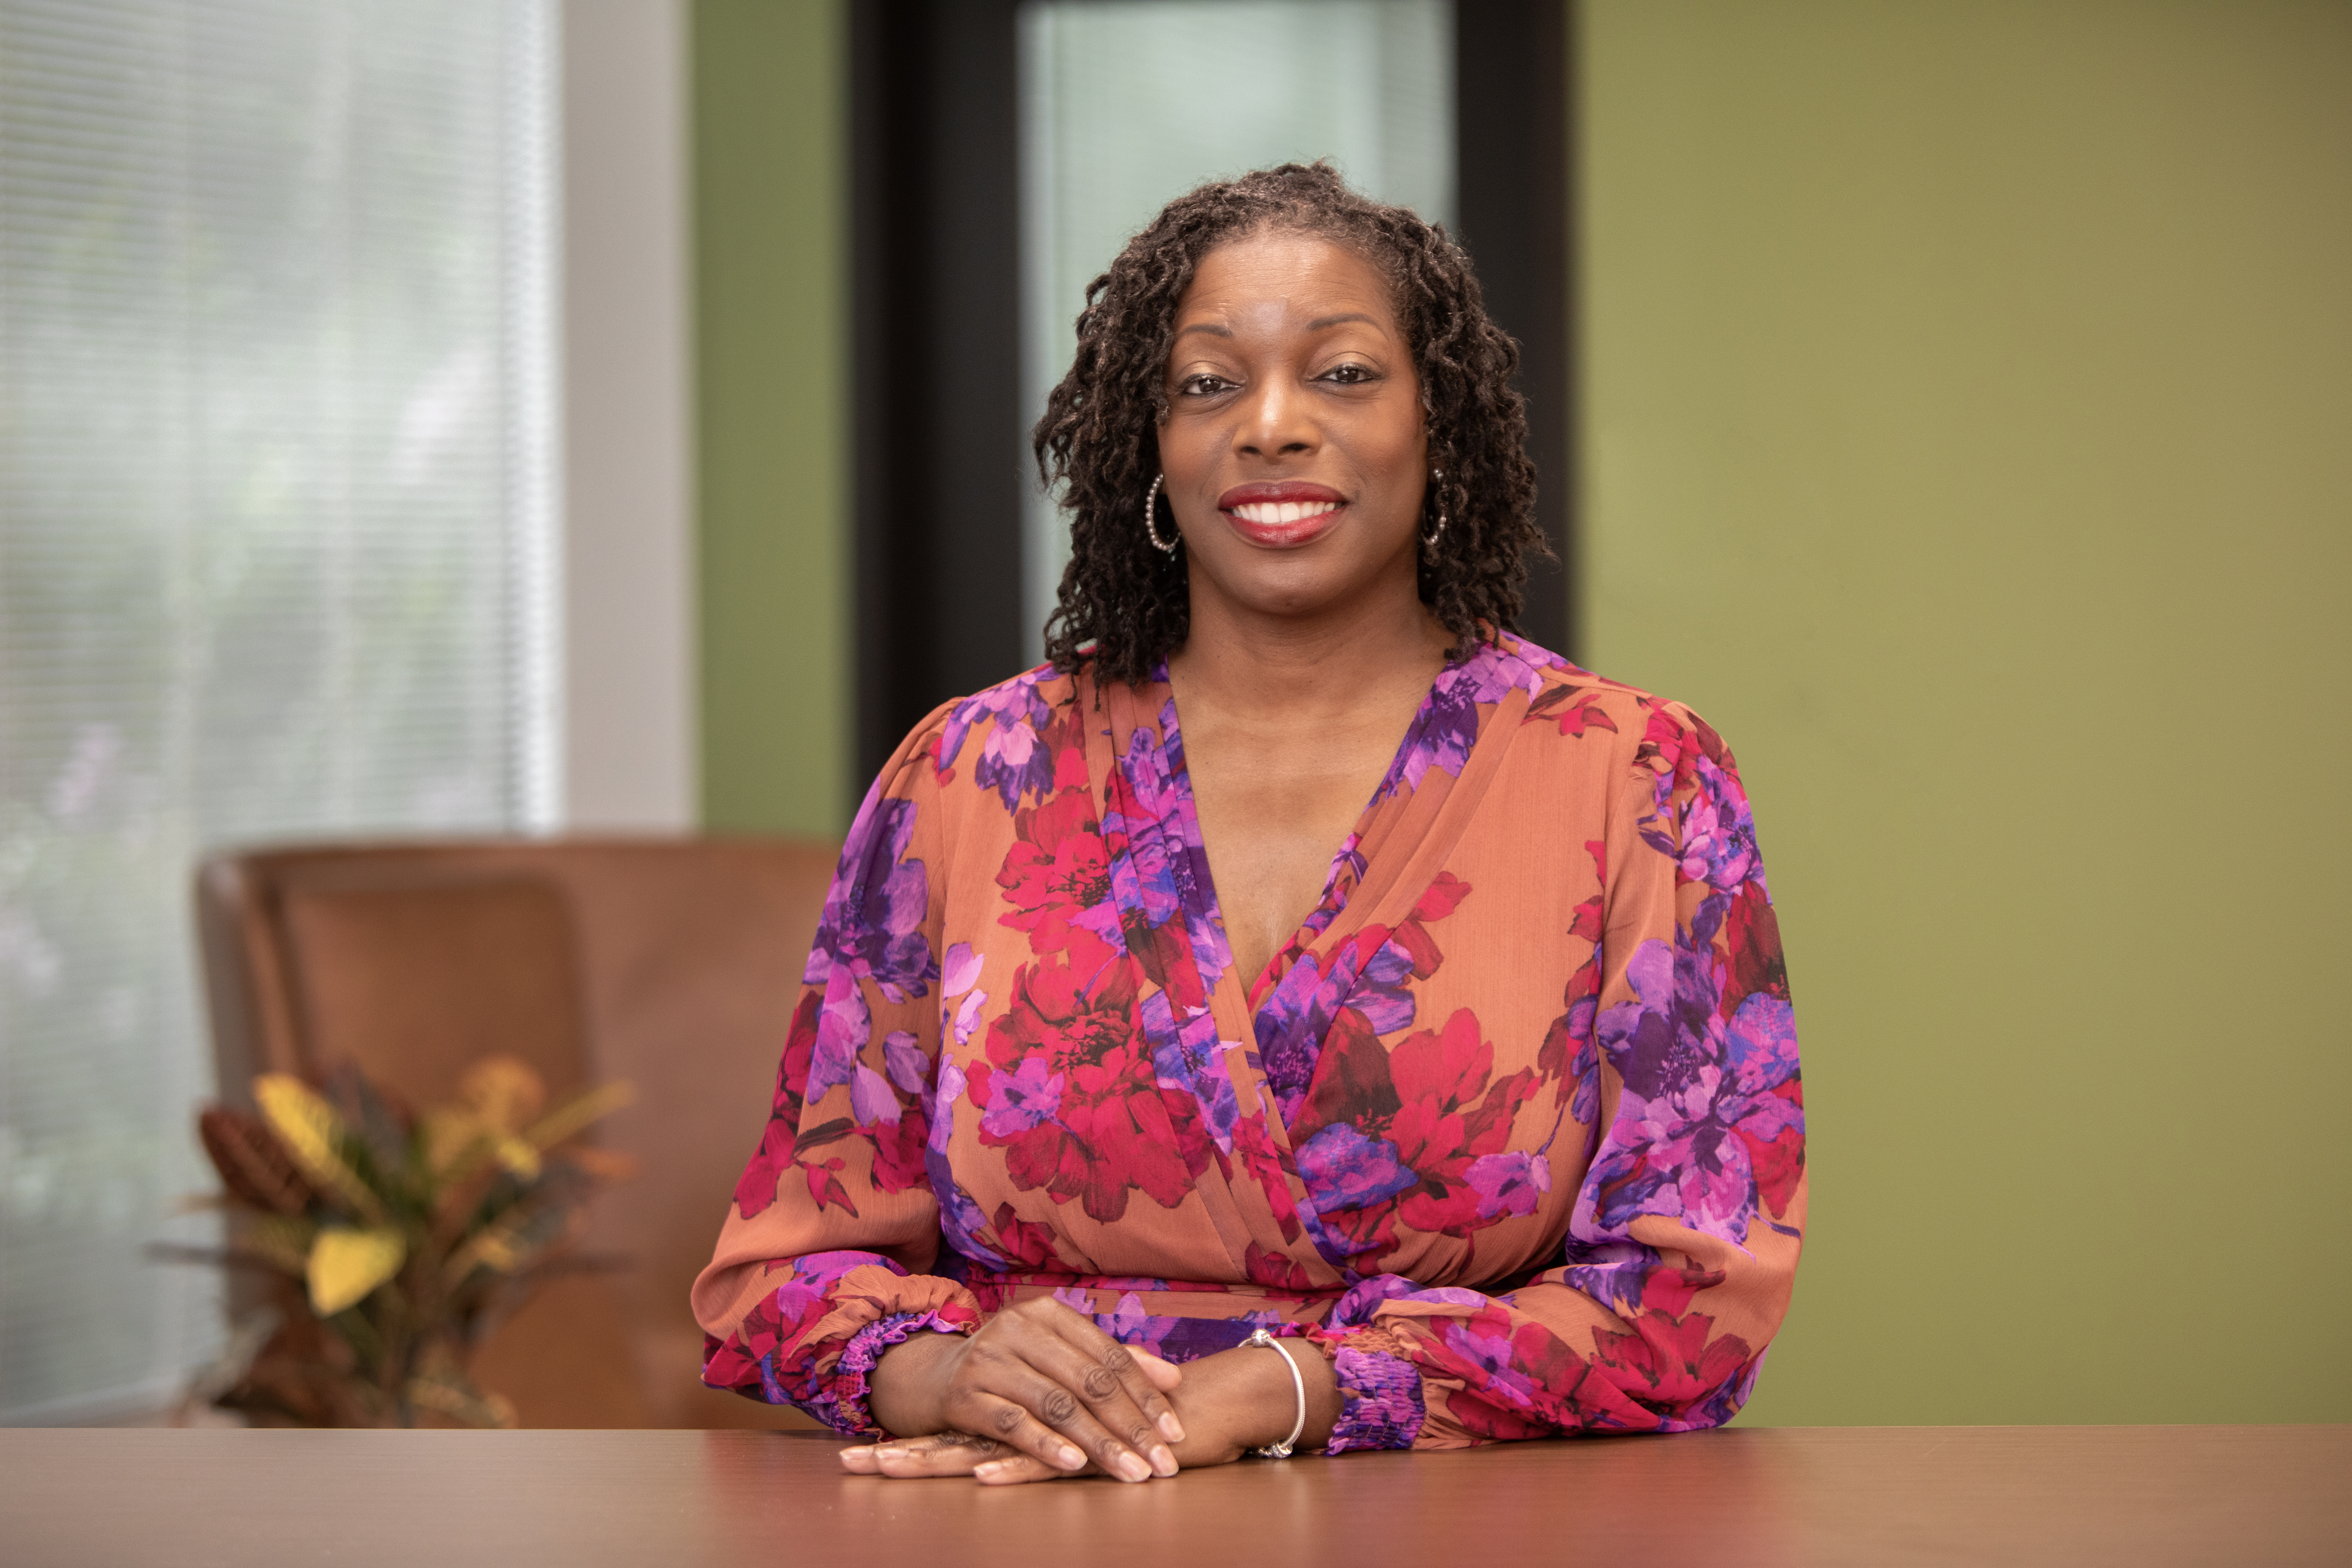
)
(1127, 103)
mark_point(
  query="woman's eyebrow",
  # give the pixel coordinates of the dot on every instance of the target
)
(1206, 327)
(1319, 322)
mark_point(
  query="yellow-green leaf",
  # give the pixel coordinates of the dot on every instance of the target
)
(312, 1134)
(504, 1091)
(346, 1264)
(516, 1155)
(282, 1241)
(577, 1113)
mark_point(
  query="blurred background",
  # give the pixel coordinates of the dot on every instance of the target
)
(523, 416)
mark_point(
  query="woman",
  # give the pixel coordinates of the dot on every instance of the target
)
(1105, 1062)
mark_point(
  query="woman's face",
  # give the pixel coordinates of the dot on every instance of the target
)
(1293, 447)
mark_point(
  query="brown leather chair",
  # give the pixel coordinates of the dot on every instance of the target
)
(674, 963)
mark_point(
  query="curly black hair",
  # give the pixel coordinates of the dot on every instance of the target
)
(1123, 604)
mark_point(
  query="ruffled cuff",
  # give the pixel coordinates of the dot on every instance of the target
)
(1382, 1404)
(792, 1343)
(840, 1400)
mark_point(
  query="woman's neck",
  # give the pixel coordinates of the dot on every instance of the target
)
(1265, 667)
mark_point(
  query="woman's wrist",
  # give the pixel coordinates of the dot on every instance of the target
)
(904, 1390)
(1264, 1404)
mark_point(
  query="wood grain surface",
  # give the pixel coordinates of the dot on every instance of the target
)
(2015, 1495)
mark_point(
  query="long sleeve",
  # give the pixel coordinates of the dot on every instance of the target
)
(825, 1258)
(1683, 1245)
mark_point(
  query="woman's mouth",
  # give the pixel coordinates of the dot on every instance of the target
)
(1282, 516)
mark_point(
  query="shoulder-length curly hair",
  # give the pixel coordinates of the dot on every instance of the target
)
(1123, 604)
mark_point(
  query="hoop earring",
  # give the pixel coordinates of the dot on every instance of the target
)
(1150, 524)
(1429, 541)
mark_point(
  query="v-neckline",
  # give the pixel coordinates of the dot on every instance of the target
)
(1211, 910)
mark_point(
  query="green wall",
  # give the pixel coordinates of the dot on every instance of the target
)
(1969, 431)
(773, 394)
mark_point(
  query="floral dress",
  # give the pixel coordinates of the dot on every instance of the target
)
(1511, 1130)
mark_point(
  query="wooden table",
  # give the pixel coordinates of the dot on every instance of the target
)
(2083, 1495)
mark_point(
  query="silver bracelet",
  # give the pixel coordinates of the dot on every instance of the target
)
(1282, 1451)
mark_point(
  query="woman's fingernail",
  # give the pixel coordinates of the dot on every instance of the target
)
(1162, 1461)
(1069, 1459)
(860, 1450)
(1171, 1428)
(992, 1471)
(1132, 1468)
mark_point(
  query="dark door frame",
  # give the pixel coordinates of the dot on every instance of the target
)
(936, 289)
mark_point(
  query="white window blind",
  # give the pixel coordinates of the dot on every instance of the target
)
(276, 555)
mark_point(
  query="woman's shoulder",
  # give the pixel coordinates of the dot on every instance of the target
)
(996, 739)
(1657, 734)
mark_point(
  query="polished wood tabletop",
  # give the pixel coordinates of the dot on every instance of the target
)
(2012, 1495)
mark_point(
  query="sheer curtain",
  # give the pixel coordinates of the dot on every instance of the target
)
(276, 555)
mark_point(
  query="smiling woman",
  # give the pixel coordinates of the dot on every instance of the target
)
(1394, 1052)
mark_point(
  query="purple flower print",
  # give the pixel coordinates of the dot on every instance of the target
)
(1509, 1183)
(1345, 1169)
(1717, 833)
(1446, 728)
(1613, 1273)
(910, 1069)
(1497, 1375)
(870, 1098)
(961, 975)
(874, 913)
(963, 970)
(1189, 1060)
(960, 1217)
(1013, 761)
(1294, 1021)
(843, 1026)
(1686, 1153)
(1026, 1098)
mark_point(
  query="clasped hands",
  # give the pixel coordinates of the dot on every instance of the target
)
(1040, 1392)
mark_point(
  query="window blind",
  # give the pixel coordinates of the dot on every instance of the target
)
(276, 556)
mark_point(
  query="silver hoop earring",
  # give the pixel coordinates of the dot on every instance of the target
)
(1150, 523)
(1429, 541)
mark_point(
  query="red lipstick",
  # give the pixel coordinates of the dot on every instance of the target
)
(1283, 515)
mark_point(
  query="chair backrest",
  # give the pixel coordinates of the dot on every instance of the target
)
(671, 963)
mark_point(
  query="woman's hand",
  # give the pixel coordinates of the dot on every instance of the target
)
(1037, 1381)
(1227, 1404)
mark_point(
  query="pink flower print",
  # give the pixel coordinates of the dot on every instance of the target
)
(1509, 1183)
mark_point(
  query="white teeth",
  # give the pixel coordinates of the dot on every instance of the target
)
(1284, 511)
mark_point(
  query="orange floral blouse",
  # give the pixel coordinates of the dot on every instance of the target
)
(1512, 1129)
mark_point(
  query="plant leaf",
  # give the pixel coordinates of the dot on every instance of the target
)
(503, 1092)
(346, 1264)
(517, 1156)
(311, 1132)
(577, 1113)
(454, 1394)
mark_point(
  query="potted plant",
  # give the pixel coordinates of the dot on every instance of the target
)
(389, 1244)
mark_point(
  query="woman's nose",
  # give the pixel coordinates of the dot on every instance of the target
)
(1276, 422)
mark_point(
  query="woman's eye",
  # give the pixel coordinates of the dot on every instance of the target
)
(1348, 375)
(1202, 385)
